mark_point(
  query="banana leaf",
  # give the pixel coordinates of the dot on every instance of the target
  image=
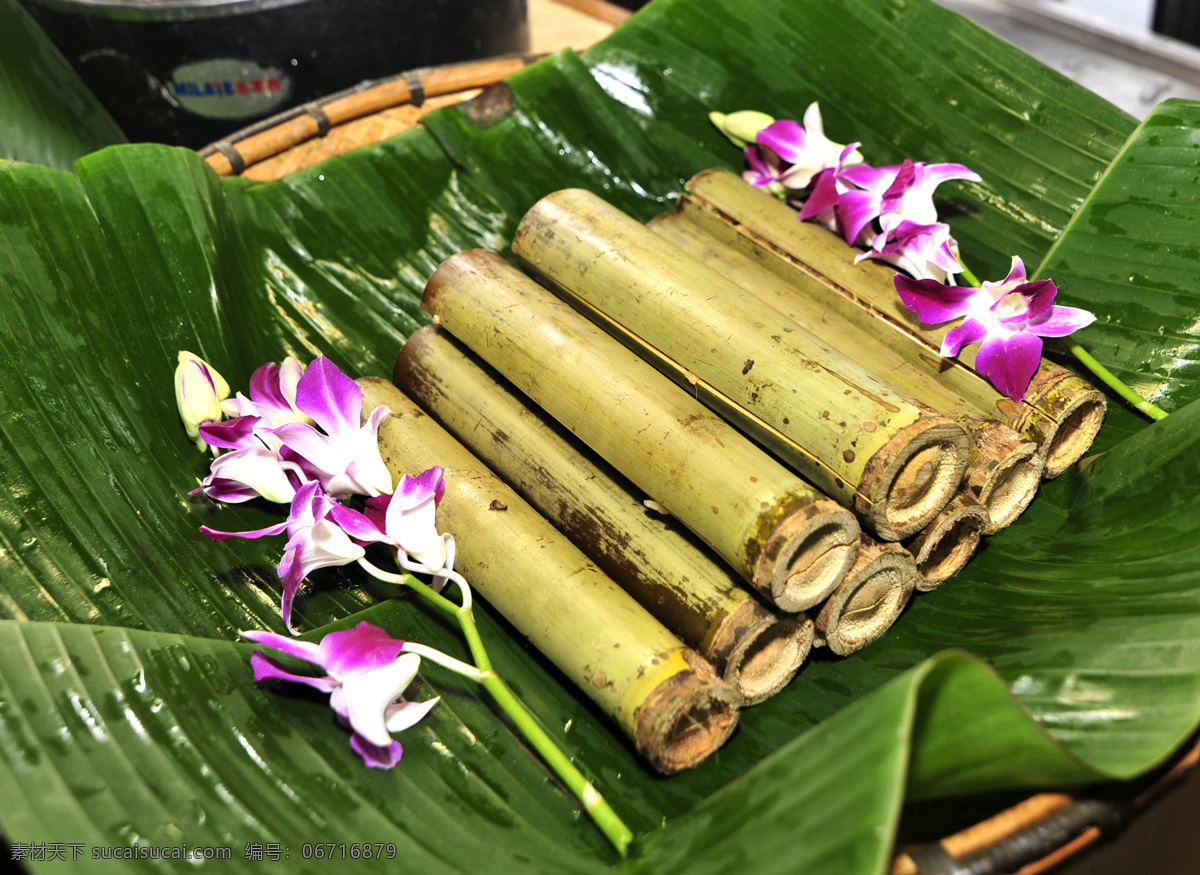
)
(49, 116)
(1065, 654)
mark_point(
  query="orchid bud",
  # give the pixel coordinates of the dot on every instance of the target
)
(199, 391)
(741, 127)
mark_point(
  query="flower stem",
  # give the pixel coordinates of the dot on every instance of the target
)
(597, 807)
(1107, 377)
(608, 821)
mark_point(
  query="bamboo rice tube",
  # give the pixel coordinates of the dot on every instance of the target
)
(1061, 413)
(1004, 469)
(777, 532)
(673, 577)
(894, 462)
(870, 600)
(946, 545)
(664, 696)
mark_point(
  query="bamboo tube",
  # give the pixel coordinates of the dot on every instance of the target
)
(777, 532)
(683, 586)
(663, 694)
(1004, 469)
(1061, 412)
(895, 463)
(869, 601)
(944, 547)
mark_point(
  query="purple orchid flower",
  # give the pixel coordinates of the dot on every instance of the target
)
(406, 521)
(895, 194)
(273, 390)
(343, 454)
(925, 251)
(257, 464)
(787, 154)
(199, 391)
(317, 538)
(367, 671)
(1008, 319)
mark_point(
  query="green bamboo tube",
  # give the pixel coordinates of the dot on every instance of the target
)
(665, 696)
(870, 600)
(1061, 413)
(894, 462)
(1004, 469)
(682, 585)
(945, 546)
(778, 533)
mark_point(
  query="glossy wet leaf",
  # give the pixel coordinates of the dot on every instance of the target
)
(49, 116)
(1129, 254)
(1087, 607)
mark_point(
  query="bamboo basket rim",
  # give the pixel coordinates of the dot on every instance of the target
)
(1091, 822)
(234, 154)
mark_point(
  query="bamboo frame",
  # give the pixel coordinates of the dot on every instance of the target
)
(870, 600)
(664, 696)
(945, 546)
(896, 463)
(1061, 413)
(1004, 469)
(776, 531)
(672, 576)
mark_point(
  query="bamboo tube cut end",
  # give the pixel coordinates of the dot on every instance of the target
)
(946, 544)
(1004, 473)
(807, 556)
(1075, 411)
(686, 718)
(874, 593)
(761, 651)
(916, 473)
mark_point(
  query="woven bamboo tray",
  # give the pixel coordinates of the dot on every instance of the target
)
(1038, 835)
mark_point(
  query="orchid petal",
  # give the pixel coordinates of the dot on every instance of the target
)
(934, 302)
(332, 399)
(306, 650)
(856, 210)
(1060, 321)
(266, 668)
(1010, 360)
(277, 529)
(970, 331)
(374, 756)
(786, 138)
(232, 434)
(1040, 295)
(258, 468)
(367, 696)
(353, 651)
(405, 715)
(873, 179)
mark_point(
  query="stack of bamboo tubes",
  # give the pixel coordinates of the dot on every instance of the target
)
(697, 406)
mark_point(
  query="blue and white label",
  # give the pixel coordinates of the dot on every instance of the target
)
(228, 88)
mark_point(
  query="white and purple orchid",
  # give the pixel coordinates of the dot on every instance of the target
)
(1008, 319)
(925, 251)
(317, 528)
(343, 454)
(784, 155)
(366, 673)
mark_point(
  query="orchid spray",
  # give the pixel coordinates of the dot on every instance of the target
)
(300, 439)
(890, 212)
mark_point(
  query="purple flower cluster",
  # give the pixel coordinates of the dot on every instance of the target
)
(367, 671)
(300, 440)
(889, 211)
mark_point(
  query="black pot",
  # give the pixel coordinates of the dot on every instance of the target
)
(189, 72)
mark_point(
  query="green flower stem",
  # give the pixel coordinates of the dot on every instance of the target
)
(1107, 377)
(595, 804)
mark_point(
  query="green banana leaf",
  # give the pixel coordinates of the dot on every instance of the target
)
(47, 115)
(1066, 653)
